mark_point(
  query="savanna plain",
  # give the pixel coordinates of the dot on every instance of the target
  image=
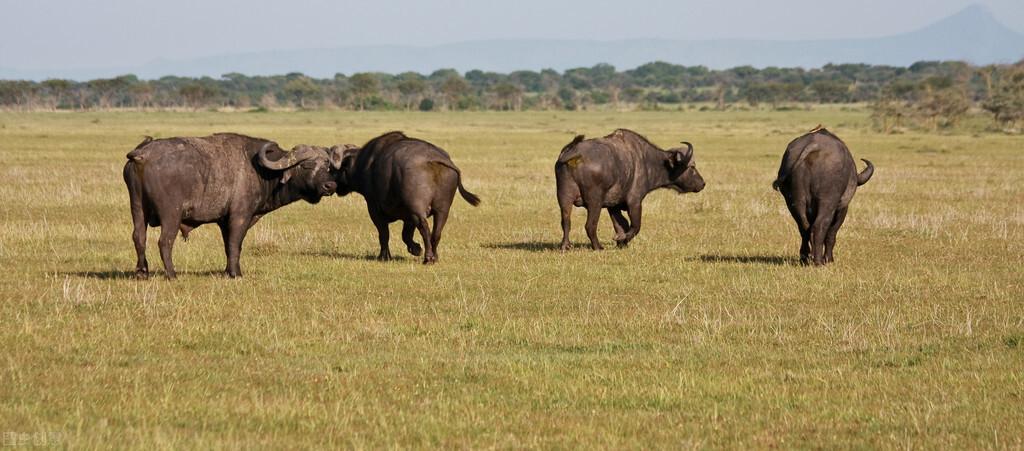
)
(705, 332)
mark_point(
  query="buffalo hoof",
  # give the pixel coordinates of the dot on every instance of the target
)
(430, 259)
(565, 247)
(415, 250)
(621, 244)
(141, 274)
(383, 257)
(170, 276)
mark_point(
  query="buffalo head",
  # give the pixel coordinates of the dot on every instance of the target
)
(682, 170)
(347, 154)
(309, 170)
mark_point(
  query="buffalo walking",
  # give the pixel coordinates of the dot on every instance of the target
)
(616, 172)
(818, 179)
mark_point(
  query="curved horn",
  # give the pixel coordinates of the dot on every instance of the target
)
(689, 147)
(288, 160)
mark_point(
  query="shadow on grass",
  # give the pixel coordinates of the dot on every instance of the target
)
(103, 275)
(530, 246)
(750, 259)
(130, 275)
(351, 256)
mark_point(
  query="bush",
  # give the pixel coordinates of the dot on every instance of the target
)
(426, 104)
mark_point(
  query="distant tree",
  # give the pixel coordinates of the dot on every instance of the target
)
(453, 88)
(529, 80)
(889, 112)
(196, 94)
(510, 95)
(411, 85)
(17, 93)
(568, 96)
(302, 91)
(363, 86)
(831, 91)
(58, 90)
(141, 94)
(108, 90)
(942, 102)
(1006, 102)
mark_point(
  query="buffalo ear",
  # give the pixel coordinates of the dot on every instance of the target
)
(336, 155)
(677, 159)
(348, 154)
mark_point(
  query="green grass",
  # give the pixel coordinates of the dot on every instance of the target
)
(704, 333)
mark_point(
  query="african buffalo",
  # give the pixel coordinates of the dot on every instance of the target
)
(818, 178)
(225, 178)
(616, 172)
(403, 179)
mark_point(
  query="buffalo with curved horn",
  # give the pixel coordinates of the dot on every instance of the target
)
(616, 172)
(228, 179)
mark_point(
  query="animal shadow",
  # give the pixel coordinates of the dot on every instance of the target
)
(530, 246)
(352, 256)
(777, 260)
(130, 275)
(103, 275)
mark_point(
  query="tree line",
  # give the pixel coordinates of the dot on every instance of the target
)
(928, 93)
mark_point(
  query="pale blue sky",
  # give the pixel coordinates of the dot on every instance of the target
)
(42, 34)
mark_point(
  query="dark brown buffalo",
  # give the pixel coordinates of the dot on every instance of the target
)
(228, 179)
(403, 179)
(616, 172)
(818, 178)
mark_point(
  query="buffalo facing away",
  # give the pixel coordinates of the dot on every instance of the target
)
(228, 179)
(616, 172)
(818, 178)
(403, 179)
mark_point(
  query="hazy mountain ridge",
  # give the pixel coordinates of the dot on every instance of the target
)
(972, 35)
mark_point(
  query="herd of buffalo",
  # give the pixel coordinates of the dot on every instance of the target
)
(233, 180)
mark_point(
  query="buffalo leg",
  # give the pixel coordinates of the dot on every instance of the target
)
(429, 256)
(383, 235)
(233, 231)
(800, 217)
(410, 242)
(620, 224)
(830, 237)
(635, 212)
(139, 238)
(440, 218)
(170, 222)
(819, 228)
(568, 194)
(805, 246)
(566, 207)
(593, 215)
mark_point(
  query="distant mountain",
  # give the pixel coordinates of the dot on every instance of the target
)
(971, 35)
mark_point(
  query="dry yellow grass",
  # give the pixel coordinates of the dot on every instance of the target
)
(704, 333)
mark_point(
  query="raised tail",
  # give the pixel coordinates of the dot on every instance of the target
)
(866, 174)
(473, 199)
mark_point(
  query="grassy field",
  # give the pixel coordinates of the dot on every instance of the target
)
(704, 333)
